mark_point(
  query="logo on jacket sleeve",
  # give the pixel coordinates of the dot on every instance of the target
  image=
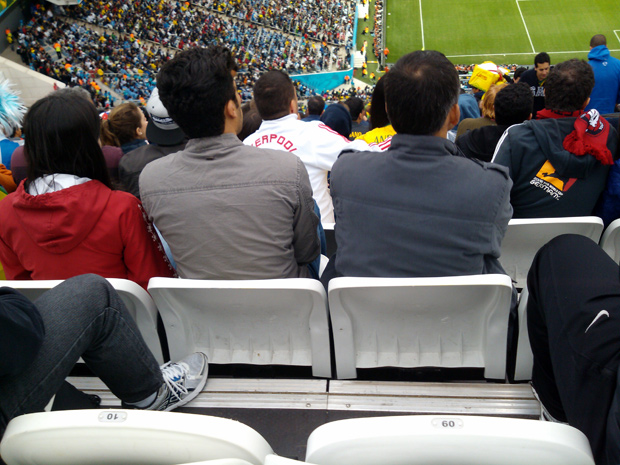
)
(549, 181)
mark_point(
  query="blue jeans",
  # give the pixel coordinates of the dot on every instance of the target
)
(83, 317)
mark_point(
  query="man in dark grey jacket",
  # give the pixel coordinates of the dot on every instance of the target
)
(559, 163)
(419, 209)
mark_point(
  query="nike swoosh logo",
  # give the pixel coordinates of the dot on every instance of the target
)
(597, 317)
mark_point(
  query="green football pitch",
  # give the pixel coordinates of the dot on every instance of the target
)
(503, 31)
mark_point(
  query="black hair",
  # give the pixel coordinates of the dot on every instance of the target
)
(420, 90)
(251, 120)
(273, 93)
(542, 57)
(378, 115)
(598, 39)
(518, 72)
(355, 106)
(63, 137)
(195, 87)
(513, 104)
(569, 85)
(316, 105)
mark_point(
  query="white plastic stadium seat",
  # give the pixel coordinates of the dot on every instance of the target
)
(450, 322)
(525, 359)
(525, 236)
(219, 462)
(139, 303)
(434, 440)
(273, 459)
(258, 322)
(128, 437)
(610, 242)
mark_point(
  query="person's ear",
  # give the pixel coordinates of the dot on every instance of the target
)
(230, 110)
(585, 103)
(454, 115)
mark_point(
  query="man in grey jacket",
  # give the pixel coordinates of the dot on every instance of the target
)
(227, 211)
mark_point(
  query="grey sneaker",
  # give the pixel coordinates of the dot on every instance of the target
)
(183, 380)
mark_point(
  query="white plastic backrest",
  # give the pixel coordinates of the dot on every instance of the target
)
(138, 302)
(323, 264)
(431, 439)
(259, 322)
(127, 437)
(525, 359)
(219, 462)
(273, 459)
(525, 236)
(610, 242)
(458, 321)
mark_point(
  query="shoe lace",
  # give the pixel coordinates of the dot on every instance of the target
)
(174, 375)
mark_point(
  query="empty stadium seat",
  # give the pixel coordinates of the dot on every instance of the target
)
(447, 322)
(258, 322)
(610, 242)
(128, 437)
(433, 440)
(525, 359)
(139, 303)
(525, 236)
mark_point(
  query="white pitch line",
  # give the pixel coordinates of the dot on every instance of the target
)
(525, 25)
(521, 53)
(421, 24)
(616, 34)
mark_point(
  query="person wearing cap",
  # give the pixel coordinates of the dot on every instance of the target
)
(164, 136)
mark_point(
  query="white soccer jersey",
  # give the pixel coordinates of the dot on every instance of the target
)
(316, 145)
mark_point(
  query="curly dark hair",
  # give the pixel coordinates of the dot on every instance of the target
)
(195, 87)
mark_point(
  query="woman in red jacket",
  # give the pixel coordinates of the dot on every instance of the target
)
(65, 220)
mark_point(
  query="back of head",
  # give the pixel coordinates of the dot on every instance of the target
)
(273, 94)
(337, 118)
(569, 85)
(121, 124)
(598, 39)
(251, 120)
(316, 105)
(195, 87)
(420, 90)
(63, 137)
(378, 115)
(487, 104)
(513, 104)
(355, 106)
(518, 72)
(542, 57)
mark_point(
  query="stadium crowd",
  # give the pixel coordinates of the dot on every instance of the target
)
(260, 199)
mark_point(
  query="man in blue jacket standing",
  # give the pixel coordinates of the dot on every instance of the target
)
(606, 93)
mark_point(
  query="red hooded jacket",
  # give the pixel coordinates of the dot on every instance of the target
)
(86, 228)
